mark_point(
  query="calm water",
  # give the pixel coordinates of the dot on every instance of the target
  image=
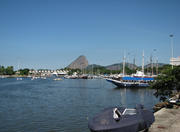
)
(61, 106)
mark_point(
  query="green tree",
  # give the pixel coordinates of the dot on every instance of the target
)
(9, 70)
(2, 70)
(168, 81)
(129, 71)
(24, 71)
(71, 71)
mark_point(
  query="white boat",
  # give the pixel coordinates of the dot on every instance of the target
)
(57, 79)
(43, 78)
(34, 77)
(173, 100)
(18, 78)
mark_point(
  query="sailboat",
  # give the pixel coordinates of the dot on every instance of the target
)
(18, 78)
(135, 80)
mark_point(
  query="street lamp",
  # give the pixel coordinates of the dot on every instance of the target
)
(171, 36)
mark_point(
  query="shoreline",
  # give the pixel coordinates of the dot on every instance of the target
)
(13, 76)
(167, 119)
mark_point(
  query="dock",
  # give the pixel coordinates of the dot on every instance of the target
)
(166, 120)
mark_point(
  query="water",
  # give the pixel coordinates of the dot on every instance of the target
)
(61, 106)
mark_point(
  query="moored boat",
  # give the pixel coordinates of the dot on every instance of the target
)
(120, 119)
(131, 81)
(57, 79)
(135, 80)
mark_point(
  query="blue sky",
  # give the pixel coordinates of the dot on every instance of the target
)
(52, 33)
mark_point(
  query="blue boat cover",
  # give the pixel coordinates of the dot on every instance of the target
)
(138, 78)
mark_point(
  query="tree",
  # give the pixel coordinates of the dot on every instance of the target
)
(167, 82)
(2, 70)
(9, 70)
(24, 71)
(176, 73)
(129, 71)
(71, 71)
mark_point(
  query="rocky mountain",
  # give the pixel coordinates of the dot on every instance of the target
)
(80, 63)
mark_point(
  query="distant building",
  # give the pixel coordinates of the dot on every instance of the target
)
(175, 61)
(49, 72)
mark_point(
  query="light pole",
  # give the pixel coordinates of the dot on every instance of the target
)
(171, 36)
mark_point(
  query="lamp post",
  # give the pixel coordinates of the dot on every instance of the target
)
(171, 36)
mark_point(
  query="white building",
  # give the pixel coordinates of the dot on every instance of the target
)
(49, 72)
(175, 61)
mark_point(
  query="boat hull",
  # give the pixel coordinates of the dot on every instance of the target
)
(104, 121)
(121, 84)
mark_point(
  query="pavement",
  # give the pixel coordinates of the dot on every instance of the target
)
(166, 120)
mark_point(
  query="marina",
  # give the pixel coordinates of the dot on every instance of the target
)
(135, 80)
(89, 66)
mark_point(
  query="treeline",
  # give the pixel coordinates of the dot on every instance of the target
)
(9, 70)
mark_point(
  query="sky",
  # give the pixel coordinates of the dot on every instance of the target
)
(52, 33)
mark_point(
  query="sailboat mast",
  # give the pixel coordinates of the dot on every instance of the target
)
(143, 62)
(124, 62)
(134, 62)
(92, 69)
(156, 66)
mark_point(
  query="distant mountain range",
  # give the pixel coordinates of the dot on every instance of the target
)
(89, 67)
(119, 66)
(81, 63)
(154, 64)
